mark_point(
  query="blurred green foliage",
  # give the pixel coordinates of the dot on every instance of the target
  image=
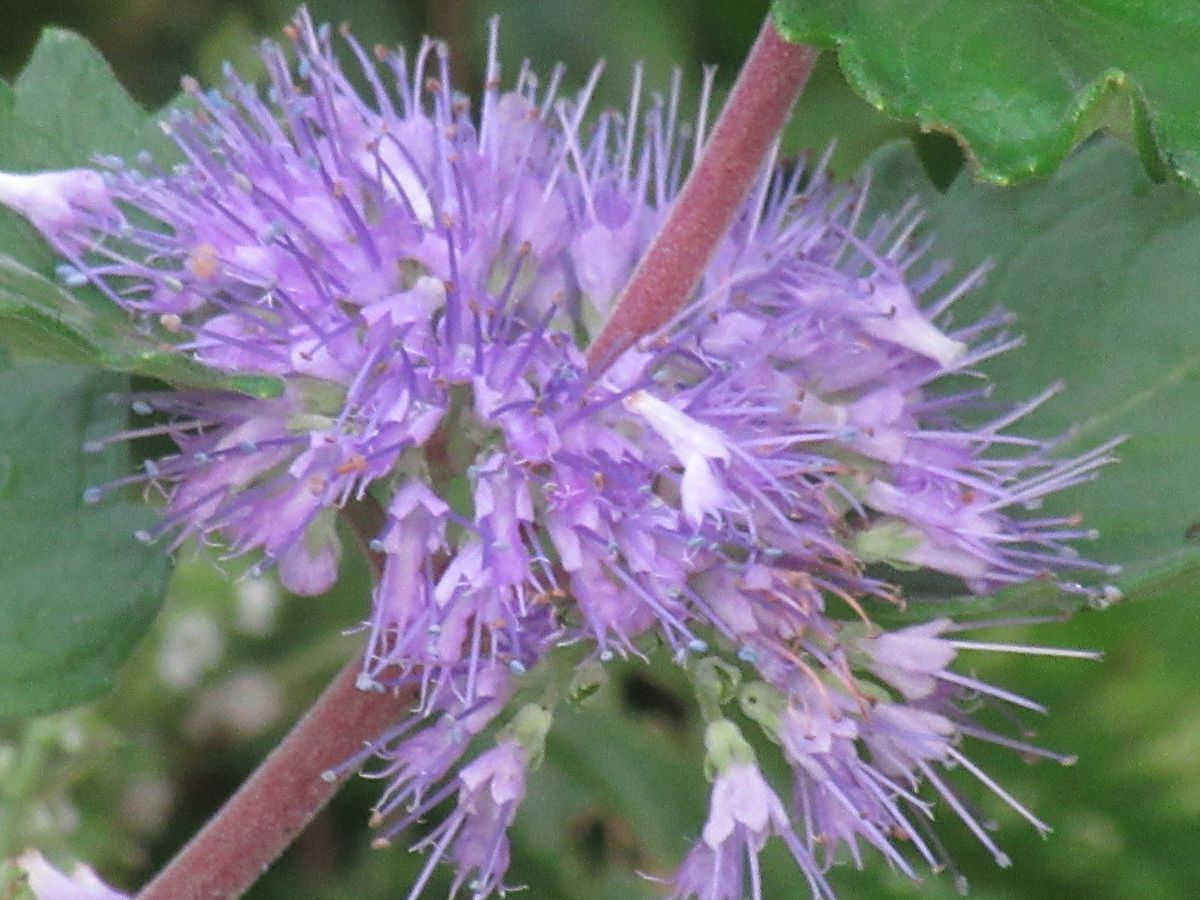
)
(229, 664)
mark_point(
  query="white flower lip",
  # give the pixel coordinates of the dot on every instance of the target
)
(695, 445)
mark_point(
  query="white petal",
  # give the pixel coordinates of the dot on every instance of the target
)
(53, 201)
(701, 491)
(686, 436)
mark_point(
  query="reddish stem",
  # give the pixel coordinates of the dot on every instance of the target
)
(258, 823)
(770, 81)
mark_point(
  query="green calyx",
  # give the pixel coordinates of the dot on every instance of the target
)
(888, 541)
(724, 746)
(529, 728)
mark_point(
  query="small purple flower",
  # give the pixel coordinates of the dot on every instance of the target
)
(858, 756)
(414, 757)
(838, 796)
(744, 813)
(423, 282)
(474, 837)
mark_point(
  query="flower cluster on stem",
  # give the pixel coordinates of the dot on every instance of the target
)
(424, 281)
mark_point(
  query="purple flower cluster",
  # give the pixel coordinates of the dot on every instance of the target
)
(423, 280)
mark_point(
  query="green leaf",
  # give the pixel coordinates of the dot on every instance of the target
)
(1100, 266)
(42, 318)
(79, 590)
(70, 95)
(1019, 83)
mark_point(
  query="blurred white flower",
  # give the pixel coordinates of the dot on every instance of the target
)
(243, 705)
(257, 606)
(193, 644)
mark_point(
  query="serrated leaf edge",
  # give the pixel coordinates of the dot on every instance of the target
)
(1157, 158)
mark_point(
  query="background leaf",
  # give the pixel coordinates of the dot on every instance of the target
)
(1100, 266)
(1020, 83)
(79, 590)
(70, 95)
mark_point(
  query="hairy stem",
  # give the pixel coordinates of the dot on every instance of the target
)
(770, 81)
(267, 813)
